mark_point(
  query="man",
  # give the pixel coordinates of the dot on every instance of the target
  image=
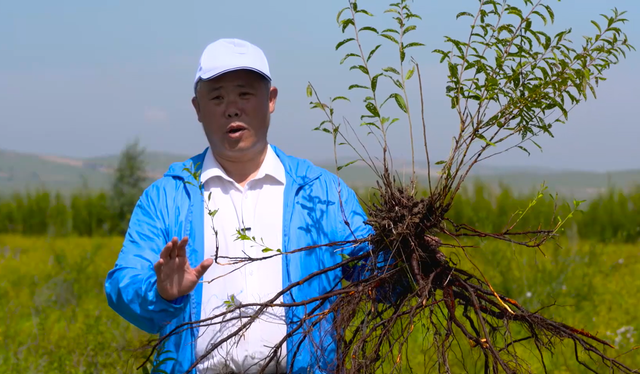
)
(176, 264)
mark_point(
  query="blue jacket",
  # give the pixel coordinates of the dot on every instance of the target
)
(316, 204)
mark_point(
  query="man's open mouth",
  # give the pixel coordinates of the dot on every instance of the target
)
(235, 129)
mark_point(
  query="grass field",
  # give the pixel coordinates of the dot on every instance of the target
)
(55, 318)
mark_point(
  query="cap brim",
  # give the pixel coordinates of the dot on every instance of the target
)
(206, 77)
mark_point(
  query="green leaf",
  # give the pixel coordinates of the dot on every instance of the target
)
(364, 12)
(347, 164)
(391, 70)
(515, 11)
(358, 86)
(370, 124)
(346, 23)
(374, 82)
(453, 71)
(410, 73)
(372, 109)
(464, 14)
(212, 213)
(413, 44)
(524, 149)
(387, 36)
(368, 28)
(265, 250)
(347, 56)
(391, 30)
(339, 98)
(482, 137)
(400, 101)
(455, 100)
(340, 14)
(340, 44)
(409, 29)
(442, 53)
(544, 19)
(550, 12)
(536, 144)
(442, 162)
(145, 370)
(362, 68)
(372, 52)
(309, 90)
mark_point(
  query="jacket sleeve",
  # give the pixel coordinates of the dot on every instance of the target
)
(130, 286)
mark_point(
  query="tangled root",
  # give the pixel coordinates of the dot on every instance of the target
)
(421, 285)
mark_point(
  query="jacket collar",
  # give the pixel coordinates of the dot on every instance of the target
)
(300, 171)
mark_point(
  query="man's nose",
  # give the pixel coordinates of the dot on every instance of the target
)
(233, 113)
(233, 110)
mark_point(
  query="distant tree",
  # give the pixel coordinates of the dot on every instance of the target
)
(127, 185)
(59, 217)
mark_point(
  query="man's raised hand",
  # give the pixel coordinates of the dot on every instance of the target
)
(175, 276)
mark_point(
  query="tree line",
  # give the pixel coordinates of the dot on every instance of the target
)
(84, 212)
(613, 216)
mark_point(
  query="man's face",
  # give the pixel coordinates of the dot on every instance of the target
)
(235, 110)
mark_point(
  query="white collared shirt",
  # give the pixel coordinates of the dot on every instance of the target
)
(258, 207)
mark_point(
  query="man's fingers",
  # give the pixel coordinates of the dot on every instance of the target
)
(166, 252)
(174, 248)
(158, 267)
(203, 267)
(182, 247)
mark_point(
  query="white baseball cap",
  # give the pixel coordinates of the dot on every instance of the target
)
(225, 55)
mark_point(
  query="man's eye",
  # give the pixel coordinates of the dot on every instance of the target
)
(216, 98)
(245, 94)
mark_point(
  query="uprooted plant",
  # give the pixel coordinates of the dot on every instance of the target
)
(509, 83)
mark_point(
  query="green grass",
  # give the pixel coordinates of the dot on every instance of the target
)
(55, 318)
(594, 287)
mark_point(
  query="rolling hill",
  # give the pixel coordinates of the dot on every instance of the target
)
(26, 171)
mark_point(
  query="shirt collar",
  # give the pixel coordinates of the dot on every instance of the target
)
(270, 166)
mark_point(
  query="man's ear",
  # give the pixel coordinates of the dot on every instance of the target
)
(273, 96)
(196, 106)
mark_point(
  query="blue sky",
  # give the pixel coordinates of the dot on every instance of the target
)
(82, 78)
